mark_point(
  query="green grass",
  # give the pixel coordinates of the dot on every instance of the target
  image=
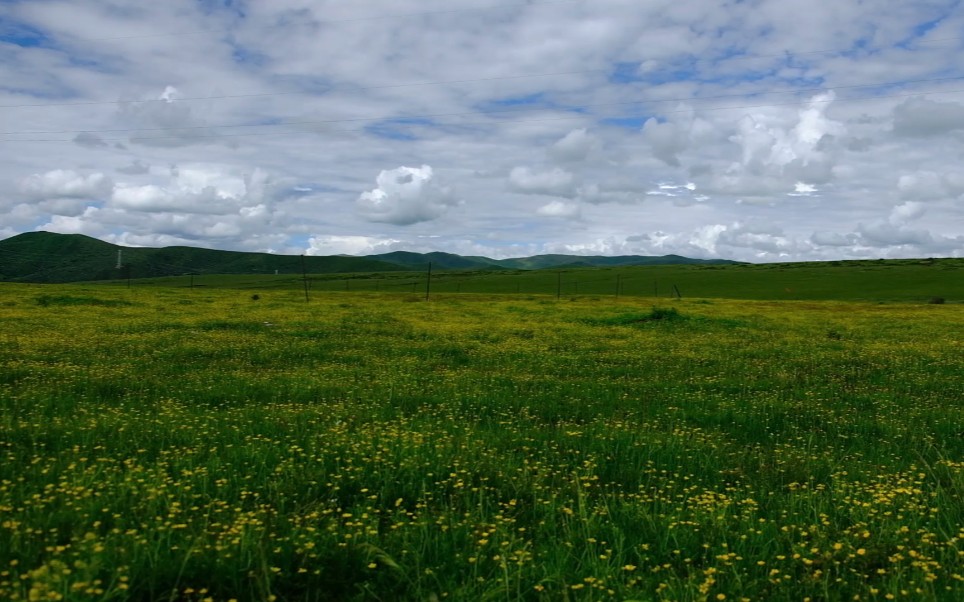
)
(917, 281)
(178, 444)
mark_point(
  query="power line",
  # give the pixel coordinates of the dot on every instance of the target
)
(499, 111)
(429, 83)
(268, 94)
(525, 4)
(541, 120)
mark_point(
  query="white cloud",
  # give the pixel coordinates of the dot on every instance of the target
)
(803, 189)
(883, 234)
(276, 127)
(576, 146)
(66, 183)
(666, 139)
(406, 196)
(925, 185)
(194, 189)
(559, 209)
(922, 117)
(167, 123)
(906, 212)
(86, 223)
(833, 239)
(136, 167)
(350, 245)
(597, 194)
(553, 182)
(89, 140)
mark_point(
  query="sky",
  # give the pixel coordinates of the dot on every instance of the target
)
(754, 130)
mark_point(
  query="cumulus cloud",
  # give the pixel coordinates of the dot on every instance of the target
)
(892, 237)
(405, 196)
(803, 189)
(195, 190)
(666, 139)
(165, 122)
(349, 245)
(135, 168)
(559, 209)
(85, 223)
(553, 182)
(573, 140)
(681, 130)
(883, 234)
(575, 147)
(906, 212)
(762, 239)
(776, 157)
(921, 117)
(89, 140)
(66, 183)
(598, 194)
(833, 239)
(928, 185)
(752, 240)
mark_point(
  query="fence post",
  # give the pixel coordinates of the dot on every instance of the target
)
(304, 277)
(428, 281)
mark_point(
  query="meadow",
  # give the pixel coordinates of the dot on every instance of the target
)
(893, 280)
(201, 444)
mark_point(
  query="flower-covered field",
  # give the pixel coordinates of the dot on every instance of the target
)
(194, 444)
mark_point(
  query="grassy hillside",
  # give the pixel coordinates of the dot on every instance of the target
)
(168, 444)
(538, 262)
(440, 261)
(47, 257)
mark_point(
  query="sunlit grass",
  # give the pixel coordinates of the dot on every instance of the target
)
(185, 445)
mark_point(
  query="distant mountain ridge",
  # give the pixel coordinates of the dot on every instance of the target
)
(448, 261)
(49, 257)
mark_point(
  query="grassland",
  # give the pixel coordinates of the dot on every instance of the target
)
(886, 281)
(176, 444)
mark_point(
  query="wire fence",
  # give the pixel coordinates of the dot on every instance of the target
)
(557, 283)
(915, 280)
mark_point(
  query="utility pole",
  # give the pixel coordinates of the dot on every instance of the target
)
(558, 285)
(428, 281)
(119, 258)
(304, 277)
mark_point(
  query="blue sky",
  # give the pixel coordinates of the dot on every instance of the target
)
(766, 130)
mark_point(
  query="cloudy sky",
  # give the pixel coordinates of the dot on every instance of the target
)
(759, 130)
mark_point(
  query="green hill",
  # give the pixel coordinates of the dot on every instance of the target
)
(48, 257)
(442, 261)
(538, 262)
(448, 261)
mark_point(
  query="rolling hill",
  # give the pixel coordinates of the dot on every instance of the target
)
(50, 257)
(539, 262)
